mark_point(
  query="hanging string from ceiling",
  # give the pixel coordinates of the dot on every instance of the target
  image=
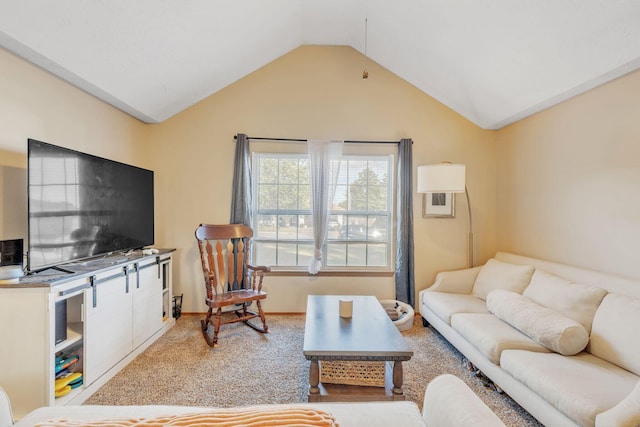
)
(365, 72)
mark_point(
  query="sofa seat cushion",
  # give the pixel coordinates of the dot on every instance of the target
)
(574, 300)
(614, 334)
(491, 335)
(624, 414)
(444, 305)
(501, 275)
(547, 327)
(579, 386)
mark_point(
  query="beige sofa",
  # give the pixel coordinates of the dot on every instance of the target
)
(562, 341)
(448, 402)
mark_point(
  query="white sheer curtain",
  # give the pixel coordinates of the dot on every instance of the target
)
(324, 164)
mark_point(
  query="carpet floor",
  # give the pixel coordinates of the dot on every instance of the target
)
(249, 368)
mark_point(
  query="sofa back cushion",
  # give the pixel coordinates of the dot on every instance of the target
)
(614, 333)
(501, 275)
(574, 300)
(546, 327)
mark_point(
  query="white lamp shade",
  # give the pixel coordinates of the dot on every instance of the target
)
(441, 178)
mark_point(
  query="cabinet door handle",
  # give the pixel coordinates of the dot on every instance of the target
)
(92, 283)
(137, 268)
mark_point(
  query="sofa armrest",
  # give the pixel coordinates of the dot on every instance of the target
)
(6, 417)
(456, 281)
(449, 402)
(624, 414)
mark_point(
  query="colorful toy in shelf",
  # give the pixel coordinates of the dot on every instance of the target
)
(75, 384)
(63, 362)
(65, 384)
(63, 391)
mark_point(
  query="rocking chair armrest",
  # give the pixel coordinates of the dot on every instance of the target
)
(263, 268)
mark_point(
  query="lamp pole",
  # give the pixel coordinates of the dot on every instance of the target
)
(470, 237)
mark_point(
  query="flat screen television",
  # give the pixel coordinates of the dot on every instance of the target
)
(82, 206)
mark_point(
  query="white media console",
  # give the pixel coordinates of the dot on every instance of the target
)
(106, 311)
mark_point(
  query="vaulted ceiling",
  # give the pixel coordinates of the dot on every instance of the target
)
(492, 61)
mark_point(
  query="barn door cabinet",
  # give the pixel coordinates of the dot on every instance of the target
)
(96, 319)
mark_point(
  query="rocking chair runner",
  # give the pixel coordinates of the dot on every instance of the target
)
(229, 278)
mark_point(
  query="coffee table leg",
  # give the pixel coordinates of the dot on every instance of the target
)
(397, 377)
(314, 377)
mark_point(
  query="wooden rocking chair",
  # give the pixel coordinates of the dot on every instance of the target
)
(229, 278)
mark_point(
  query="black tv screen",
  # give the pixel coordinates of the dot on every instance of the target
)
(83, 206)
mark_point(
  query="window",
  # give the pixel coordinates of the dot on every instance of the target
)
(360, 235)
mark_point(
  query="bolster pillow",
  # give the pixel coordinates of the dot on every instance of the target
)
(543, 325)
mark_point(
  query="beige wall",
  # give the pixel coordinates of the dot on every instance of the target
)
(569, 180)
(36, 104)
(13, 202)
(316, 92)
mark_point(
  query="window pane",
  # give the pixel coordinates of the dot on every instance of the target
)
(294, 254)
(268, 170)
(304, 197)
(377, 255)
(335, 223)
(287, 196)
(305, 252)
(336, 254)
(378, 228)
(355, 228)
(305, 227)
(266, 226)
(287, 254)
(356, 254)
(303, 171)
(288, 171)
(359, 233)
(267, 196)
(264, 253)
(355, 167)
(377, 198)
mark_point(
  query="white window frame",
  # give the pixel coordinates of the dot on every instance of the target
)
(371, 151)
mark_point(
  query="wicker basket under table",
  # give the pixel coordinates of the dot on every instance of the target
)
(353, 372)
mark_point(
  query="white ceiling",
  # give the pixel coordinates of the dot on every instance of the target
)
(492, 61)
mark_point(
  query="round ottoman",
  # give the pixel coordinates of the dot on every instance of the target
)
(403, 316)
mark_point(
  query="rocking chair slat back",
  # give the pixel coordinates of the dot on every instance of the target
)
(220, 258)
(229, 278)
(240, 270)
(230, 265)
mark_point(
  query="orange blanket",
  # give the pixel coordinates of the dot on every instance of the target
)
(290, 417)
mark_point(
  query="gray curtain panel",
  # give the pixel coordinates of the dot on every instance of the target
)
(405, 280)
(241, 189)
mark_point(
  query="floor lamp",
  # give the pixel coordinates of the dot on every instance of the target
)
(447, 178)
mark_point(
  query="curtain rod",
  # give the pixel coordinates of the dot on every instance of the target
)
(263, 138)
